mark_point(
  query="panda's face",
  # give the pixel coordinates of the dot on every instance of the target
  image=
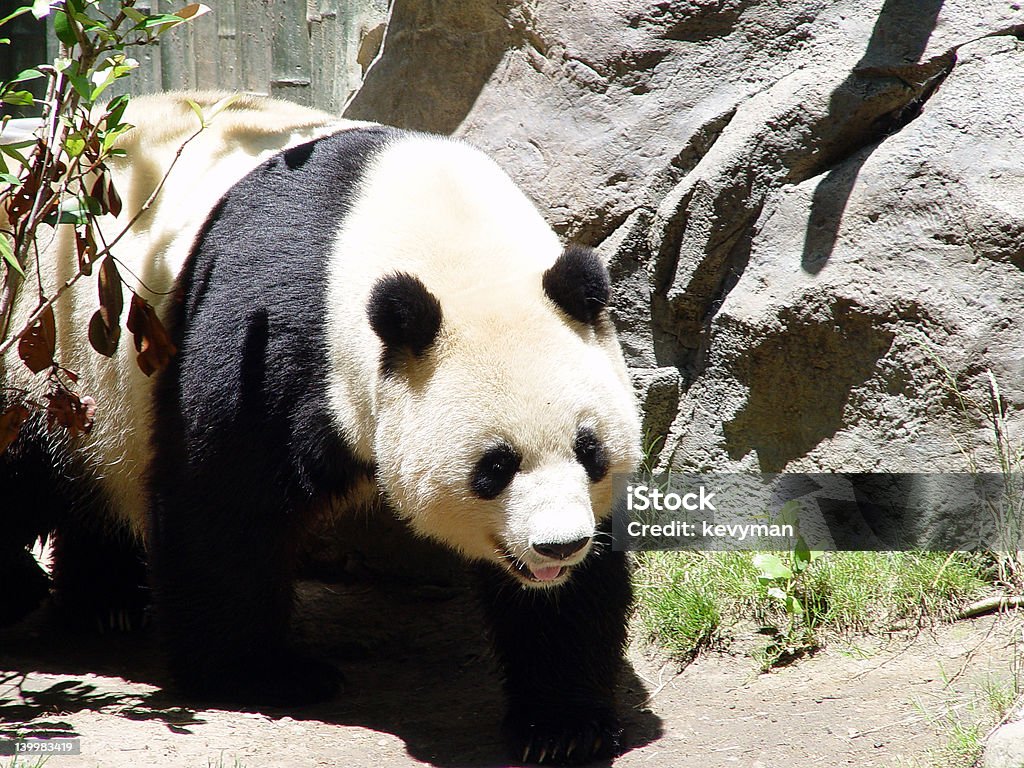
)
(548, 510)
(499, 435)
(510, 468)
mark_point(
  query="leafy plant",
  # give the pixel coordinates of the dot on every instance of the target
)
(782, 576)
(781, 573)
(60, 178)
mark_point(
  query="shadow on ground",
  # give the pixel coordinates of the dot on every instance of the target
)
(416, 664)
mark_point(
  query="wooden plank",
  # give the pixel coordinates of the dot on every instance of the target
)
(226, 12)
(205, 43)
(255, 29)
(148, 77)
(290, 63)
(176, 59)
(323, 51)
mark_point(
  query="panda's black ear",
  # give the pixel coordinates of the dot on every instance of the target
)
(578, 283)
(404, 314)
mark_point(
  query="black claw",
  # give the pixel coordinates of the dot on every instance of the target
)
(565, 741)
(570, 749)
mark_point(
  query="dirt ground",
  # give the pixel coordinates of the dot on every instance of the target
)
(421, 688)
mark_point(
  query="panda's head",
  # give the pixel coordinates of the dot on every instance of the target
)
(503, 413)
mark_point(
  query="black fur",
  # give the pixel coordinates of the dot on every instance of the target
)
(561, 651)
(99, 578)
(591, 453)
(245, 445)
(494, 471)
(404, 315)
(578, 283)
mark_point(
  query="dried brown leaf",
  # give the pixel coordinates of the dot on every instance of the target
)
(113, 199)
(105, 325)
(66, 409)
(85, 244)
(37, 346)
(152, 341)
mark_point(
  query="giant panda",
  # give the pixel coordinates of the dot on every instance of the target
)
(362, 314)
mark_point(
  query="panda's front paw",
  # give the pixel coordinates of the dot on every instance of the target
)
(563, 738)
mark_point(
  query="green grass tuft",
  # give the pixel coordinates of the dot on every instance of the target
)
(683, 596)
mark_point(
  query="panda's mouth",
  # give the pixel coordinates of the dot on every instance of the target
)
(540, 575)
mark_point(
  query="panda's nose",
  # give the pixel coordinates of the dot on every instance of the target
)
(562, 549)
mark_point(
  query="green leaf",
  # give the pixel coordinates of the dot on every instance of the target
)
(18, 12)
(789, 514)
(793, 606)
(133, 14)
(167, 20)
(10, 178)
(17, 98)
(109, 137)
(11, 150)
(8, 255)
(78, 210)
(771, 567)
(62, 28)
(41, 9)
(802, 555)
(198, 110)
(220, 106)
(74, 146)
(28, 74)
(103, 79)
(777, 593)
(115, 110)
(81, 84)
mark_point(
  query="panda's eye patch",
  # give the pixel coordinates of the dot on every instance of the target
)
(591, 454)
(494, 471)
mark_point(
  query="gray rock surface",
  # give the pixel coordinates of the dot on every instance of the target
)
(814, 211)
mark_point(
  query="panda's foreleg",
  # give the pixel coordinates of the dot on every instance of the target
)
(99, 571)
(23, 584)
(25, 515)
(560, 652)
(221, 544)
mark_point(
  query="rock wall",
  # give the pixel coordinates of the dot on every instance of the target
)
(813, 211)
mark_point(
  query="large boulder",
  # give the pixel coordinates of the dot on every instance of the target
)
(814, 211)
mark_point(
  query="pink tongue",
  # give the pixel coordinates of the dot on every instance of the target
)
(546, 574)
